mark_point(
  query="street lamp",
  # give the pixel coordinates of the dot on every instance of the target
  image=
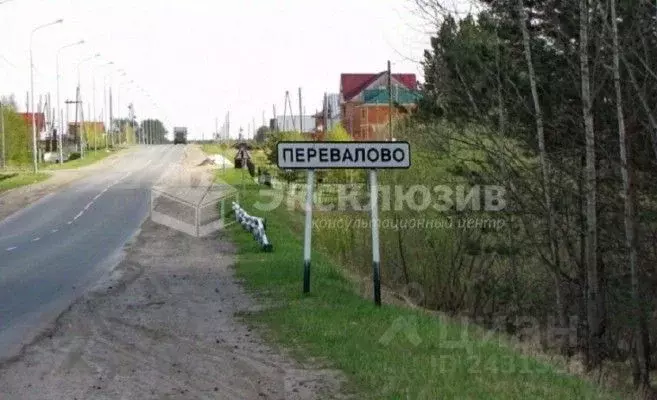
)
(34, 134)
(118, 101)
(107, 115)
(78, 68)
(59, 104)
(94, 103)
(84, 61)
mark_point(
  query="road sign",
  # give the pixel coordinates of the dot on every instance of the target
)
(337, 155)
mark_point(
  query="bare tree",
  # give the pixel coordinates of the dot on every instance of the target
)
(642, 343)
(596, 302)
(545, 167)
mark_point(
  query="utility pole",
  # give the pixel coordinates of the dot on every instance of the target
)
(285, 111)
(389, 101)
(93, 122)
(94, 114)
(294, 123)
(275, 127)
(300, 113)
(85, 134)
(2, 131)
(326, 122)
(69, 102)
(111, 117)
(81, 129)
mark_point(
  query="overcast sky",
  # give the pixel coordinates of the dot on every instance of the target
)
(199, 59)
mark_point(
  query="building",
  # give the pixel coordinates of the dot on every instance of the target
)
(40, 119)
(89, 126)
(290, 123)
(364, 105)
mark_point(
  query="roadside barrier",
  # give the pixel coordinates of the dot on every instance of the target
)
(254, 225)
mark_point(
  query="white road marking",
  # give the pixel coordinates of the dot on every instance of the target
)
(88, 205)
(78, 216)
(69, 222)
(36, 239)
(54, 230)
(97, 196)
(11, 248)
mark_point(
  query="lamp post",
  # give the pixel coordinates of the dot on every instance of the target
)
(34, 133)
(106, 112)
(122, 74)
(2, 131)
(78, 68)
(94, 102)
(59, 104)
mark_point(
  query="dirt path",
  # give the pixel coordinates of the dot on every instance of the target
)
(164, 327)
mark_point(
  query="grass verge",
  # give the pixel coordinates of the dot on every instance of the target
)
(90, 157)
(388, 352)
(17, 179)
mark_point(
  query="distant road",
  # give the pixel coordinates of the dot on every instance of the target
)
(53, 250)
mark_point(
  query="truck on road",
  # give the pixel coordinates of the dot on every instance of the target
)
(180, 135)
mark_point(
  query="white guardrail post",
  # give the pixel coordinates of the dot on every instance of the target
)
(254, 225)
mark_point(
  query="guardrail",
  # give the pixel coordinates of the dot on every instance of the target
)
(255, 225)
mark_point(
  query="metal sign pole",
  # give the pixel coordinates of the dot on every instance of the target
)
(376, 264)
(308, 230)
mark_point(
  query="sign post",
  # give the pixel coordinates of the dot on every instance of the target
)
(308, 231)
(376, 258)
(344, 155)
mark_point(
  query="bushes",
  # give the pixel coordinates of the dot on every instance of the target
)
(18, 137)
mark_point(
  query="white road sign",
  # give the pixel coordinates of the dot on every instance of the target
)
(335, 155)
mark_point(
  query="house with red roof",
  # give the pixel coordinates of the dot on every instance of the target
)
(39, 118)
(364, 102)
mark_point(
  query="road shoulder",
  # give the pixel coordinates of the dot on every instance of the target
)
(164, 327)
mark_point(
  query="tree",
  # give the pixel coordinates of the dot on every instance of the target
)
(153, 131)
(577, 94)
(640, 330)
(17, 134)
(261, 134)
(338, 134)
(272, 154)
(125, 128)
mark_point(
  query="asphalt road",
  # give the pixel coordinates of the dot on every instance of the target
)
(53, 250)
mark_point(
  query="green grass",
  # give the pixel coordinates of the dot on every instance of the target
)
(90, 157)
(17, 179)
(213, 148)
(388, 352)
